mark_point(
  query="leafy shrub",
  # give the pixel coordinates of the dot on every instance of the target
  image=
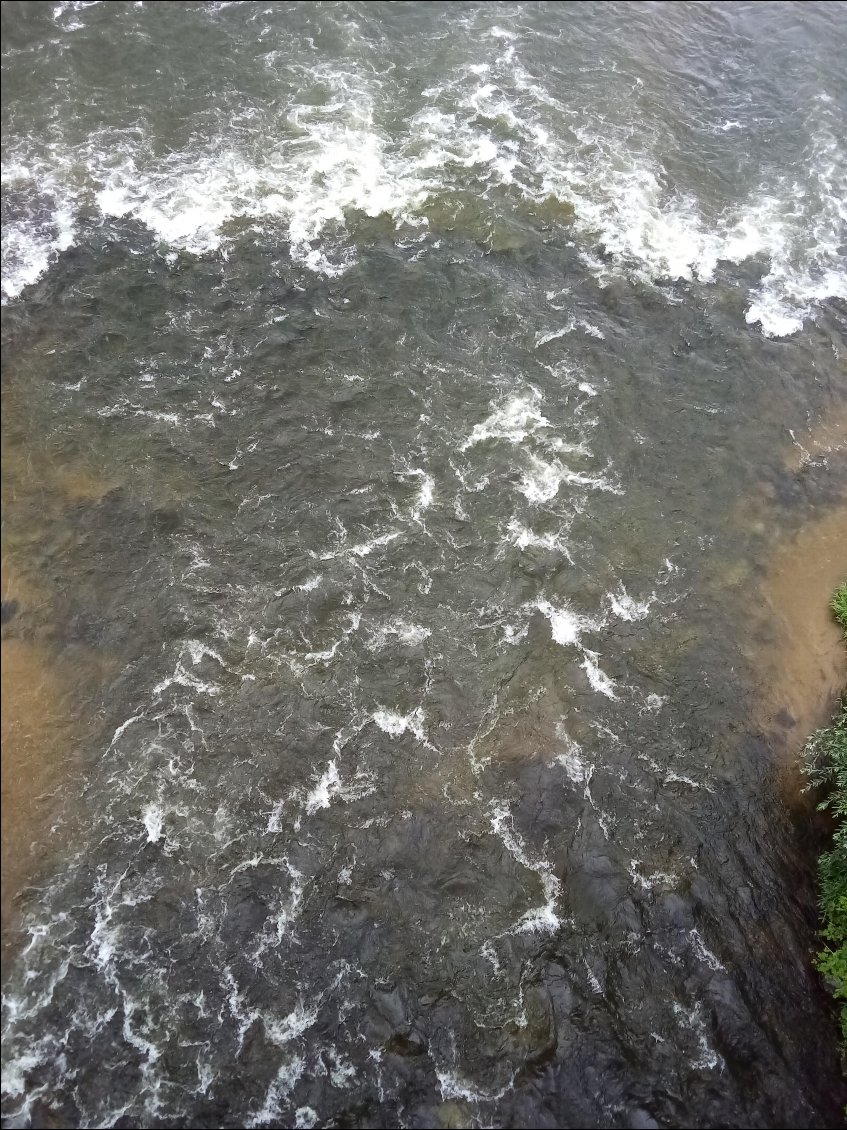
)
(839, 606)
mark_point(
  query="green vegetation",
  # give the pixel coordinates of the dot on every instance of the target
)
(839, 606)
(826, 765)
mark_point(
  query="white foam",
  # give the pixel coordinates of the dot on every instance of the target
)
(598, 679)
(153, 820)
(622, 201)
(340, 161)
(648, 882)
(517, 418)
(316, 165)
(542, 919)
(553, 335)
(360, 549)
(281, 1087)
(644, 229)
(196, 651)
(542, 478)
(365, 549)
(572, 760)
(575, 767)
(692, 1020)
(330, 785)
(525, 538)
(299, 1020)
(394, 724)
(14, 1072)
(31, 244)
(406, 632)
(627, 608)
(426, 494)
(311, 584)
(514, 633)
(703, 952)
(341, 1071)
(566, 626)
(593, 981)
(542, 481)
(289, 912)
(325, 655)
(454, 1086)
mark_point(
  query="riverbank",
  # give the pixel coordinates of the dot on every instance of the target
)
(808, 671)
(795, 646)
(799, 653)
(826, 765)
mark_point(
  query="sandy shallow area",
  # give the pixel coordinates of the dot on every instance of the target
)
(799, 651)
(43, 682)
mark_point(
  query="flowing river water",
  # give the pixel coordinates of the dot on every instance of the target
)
(424, 474)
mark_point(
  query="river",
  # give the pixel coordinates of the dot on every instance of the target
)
(416, 417)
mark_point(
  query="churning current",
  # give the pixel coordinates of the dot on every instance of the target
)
(400, 411)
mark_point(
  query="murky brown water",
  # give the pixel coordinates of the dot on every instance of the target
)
(802, 667)
(46, 679)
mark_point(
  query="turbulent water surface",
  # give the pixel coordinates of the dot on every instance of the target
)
(396, 409)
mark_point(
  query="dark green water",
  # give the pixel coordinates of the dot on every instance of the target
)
(426, 354)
